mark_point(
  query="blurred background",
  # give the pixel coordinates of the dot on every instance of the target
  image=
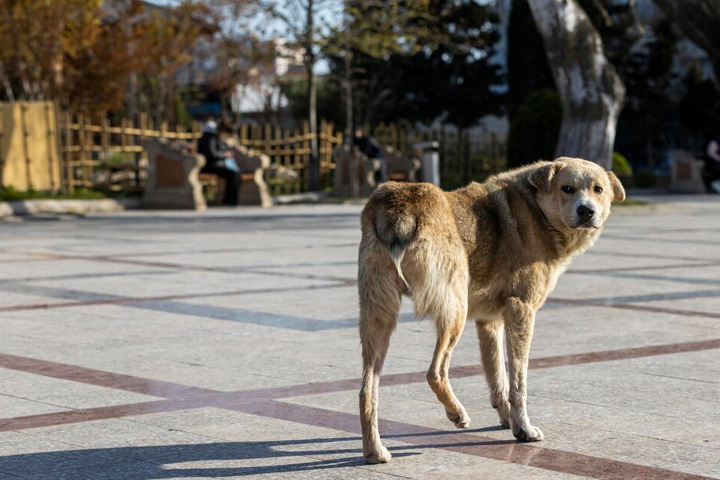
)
(630, 84)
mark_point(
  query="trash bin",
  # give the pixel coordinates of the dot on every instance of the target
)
(430, 159)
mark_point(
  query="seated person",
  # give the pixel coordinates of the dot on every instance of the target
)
(371, 148)
(219, 158)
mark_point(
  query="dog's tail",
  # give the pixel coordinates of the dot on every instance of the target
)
(395, 230)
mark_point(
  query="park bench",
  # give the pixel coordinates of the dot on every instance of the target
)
(172, 180)
(686, 173)
(253, 189)
(401, 168)
(367, 172)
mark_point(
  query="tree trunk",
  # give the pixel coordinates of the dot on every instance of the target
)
(590, 90)
(6, 84)
(349, 117)
(314, 166)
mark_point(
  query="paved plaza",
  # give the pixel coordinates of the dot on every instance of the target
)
(163, 345)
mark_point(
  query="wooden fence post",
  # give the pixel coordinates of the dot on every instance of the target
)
(140, 157)
(305, 178)
(104, 143)
(69, 171)
(50, 133)
(2, 159)
(25, 135)
(85, 163)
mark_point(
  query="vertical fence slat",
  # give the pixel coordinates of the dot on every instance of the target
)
(83, 145)
(106, 156)
(26, 147)
(50, 133)
(2, 135)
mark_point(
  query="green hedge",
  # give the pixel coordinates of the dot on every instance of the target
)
(535, 128)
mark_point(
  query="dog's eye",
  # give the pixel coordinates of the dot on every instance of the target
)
(568, 189)
(598, 189)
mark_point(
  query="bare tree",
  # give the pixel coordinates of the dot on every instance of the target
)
(305, 22)
(590, 90)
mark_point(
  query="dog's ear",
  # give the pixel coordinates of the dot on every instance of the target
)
(541, 177)
(618, 190)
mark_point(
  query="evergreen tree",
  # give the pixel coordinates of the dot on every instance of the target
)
(448, 69)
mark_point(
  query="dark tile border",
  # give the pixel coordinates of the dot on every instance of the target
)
(182, 397)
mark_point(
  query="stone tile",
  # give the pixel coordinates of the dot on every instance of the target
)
(25, 455)
(656, 411)
(13, 406)
(63, 393)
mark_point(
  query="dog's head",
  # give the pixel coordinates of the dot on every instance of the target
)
(574, 193)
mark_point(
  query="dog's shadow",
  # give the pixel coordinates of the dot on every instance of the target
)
(220, 459)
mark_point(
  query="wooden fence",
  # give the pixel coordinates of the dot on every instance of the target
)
(289, 152)
(106, 155)
(29, 158)
(464, 157)
(109, 156)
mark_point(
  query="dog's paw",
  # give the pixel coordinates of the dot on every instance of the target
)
(380, 455)
(460, 418)
(528, 433)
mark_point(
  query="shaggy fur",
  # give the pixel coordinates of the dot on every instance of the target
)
(491, 252)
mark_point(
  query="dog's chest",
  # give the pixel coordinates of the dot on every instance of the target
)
(487, 295)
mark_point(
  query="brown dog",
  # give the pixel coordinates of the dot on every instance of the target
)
(491, 252)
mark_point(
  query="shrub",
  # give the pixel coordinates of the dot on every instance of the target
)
(535, 128)
(620, 165)
(644, 179)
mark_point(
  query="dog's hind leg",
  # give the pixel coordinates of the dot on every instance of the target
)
(490, 336)
(379, 307)
(449, 331)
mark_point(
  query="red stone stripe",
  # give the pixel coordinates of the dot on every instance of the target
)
(474, 370)
(176, 391)
(467, 443)
(90, 414)
(181, 397)
(101, 378)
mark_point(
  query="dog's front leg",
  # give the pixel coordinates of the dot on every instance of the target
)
(519, 323)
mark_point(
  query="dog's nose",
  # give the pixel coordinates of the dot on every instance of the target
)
(585, 213)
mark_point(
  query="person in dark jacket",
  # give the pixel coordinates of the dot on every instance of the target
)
(711, 173)
(219, 159)
(372, 149)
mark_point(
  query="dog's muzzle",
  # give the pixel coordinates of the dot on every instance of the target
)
(587, 216)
